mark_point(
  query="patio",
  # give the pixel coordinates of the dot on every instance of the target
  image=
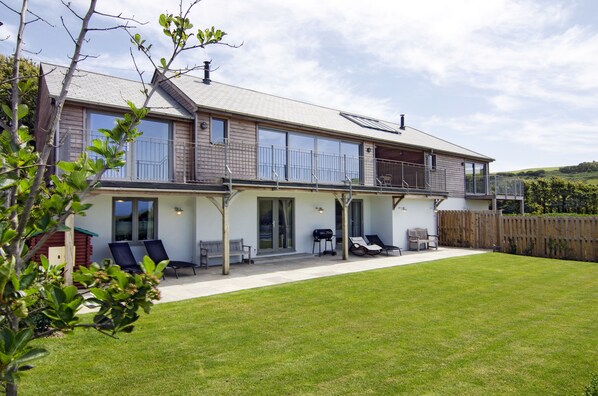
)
(276, 270)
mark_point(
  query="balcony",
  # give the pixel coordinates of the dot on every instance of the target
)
(506, 187)
(494, 186)
(154, 160)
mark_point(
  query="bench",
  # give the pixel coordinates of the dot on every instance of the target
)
(211, 249)
(419, 236)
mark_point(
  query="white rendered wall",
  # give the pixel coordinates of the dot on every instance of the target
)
(98, 220)
(201, 220)
(380, 209)
(418, 213)
(176, 231)
(464, 204)
(244, 217)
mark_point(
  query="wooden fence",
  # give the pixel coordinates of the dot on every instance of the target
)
(574, 238)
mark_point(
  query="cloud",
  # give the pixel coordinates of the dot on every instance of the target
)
(516, 65)
(7, 35)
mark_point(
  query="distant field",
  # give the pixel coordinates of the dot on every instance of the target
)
(586, 177)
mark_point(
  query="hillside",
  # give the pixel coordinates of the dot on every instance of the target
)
(586, 172)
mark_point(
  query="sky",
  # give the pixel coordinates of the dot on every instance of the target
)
(513, 80)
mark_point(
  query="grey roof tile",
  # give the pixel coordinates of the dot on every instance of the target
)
(100, 89)
(231, 99)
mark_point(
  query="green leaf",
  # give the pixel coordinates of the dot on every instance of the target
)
(66, 166)
(148, 265)
(70, 293)
(163, 21)
(7, 111)
(33, 354)
(7, 236)
(22, 111)
(21, 339)
(100, 294)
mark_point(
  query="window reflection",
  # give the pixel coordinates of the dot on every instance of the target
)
(148, 158)
(299, 157)
(134, 219)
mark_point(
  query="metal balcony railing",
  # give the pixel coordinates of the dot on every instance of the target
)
(182, 162)
(409, 176)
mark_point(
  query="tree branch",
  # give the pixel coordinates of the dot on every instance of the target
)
(17, 245)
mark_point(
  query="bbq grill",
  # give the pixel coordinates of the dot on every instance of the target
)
(326, 235)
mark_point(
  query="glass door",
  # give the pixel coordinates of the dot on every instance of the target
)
(276, 222)
(355, 220)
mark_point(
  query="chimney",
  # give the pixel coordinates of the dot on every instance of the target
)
(403, 121)
(206, 72)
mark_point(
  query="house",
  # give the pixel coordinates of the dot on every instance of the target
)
(221, 162)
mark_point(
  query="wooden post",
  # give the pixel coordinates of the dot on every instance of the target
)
(69, 249)
(345, 208)
(223, 209)
(225, 237)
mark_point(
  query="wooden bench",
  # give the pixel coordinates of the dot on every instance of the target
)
(211, 249)
(419, 236)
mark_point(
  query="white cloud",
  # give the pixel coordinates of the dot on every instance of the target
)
(526, 61)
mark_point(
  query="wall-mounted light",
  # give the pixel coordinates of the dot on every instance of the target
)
(178, 210)
(320, 209)
(369, 149)
(203, 125)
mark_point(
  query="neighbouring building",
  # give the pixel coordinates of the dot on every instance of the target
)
(217, 161)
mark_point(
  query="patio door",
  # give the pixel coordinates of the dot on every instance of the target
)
(276, 225)
(355, 220)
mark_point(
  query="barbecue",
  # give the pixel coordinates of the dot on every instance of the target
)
(326, 235)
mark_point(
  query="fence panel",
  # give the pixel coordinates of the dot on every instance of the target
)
(562, 237)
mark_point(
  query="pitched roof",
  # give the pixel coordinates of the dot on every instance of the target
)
(102, 90)
(241, 101)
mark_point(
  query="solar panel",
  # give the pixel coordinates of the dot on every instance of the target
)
(369, 123)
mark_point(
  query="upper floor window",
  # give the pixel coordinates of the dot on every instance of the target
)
(134, 219)
(475, 178)
(301, 157)
(432, 161)
(218, 131)
(149, 157)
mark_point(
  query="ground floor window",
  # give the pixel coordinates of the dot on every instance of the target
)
(134, 219)
(276, 225)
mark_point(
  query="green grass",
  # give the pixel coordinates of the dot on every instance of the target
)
(483, 324)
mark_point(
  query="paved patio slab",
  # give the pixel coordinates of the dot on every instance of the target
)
(279, 270)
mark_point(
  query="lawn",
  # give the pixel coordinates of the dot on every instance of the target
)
(483, 324)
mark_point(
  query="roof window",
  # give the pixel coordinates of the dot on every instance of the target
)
(369, 123)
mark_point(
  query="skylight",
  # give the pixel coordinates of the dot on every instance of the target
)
(369, 123)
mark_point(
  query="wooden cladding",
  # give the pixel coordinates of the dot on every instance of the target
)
(574, 238)
(455, 174)
(72, 123)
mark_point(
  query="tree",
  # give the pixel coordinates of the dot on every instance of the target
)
(558, 195)
(32, 205)
(27, 69)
